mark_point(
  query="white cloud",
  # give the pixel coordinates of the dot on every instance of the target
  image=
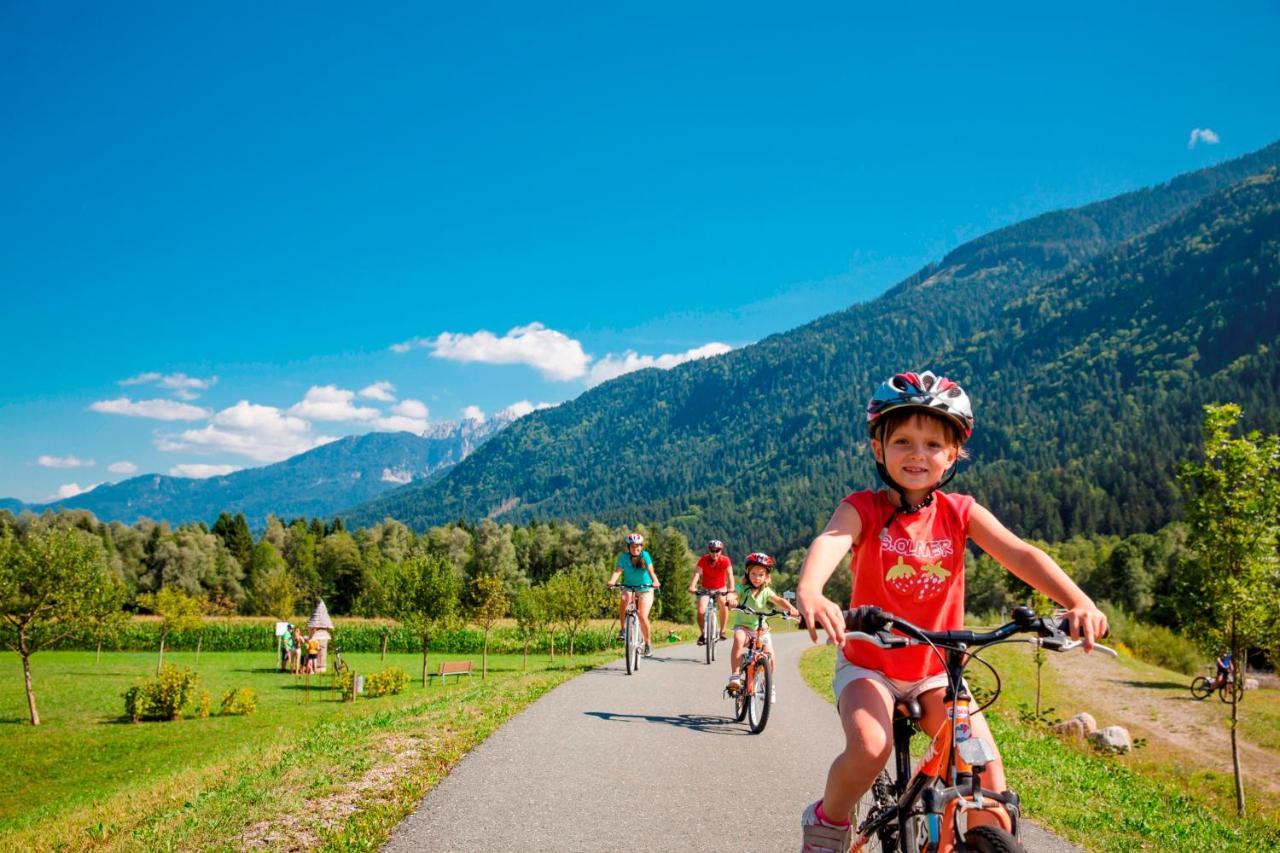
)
(122, 468)
(331, 403)
(520, 408)
(70, 490)
(553, 354)
(184, 387)
(410, 409)
(262, 433)
(400, 423)
(383, 392)
(399, 476)
(200, 471)
(1202, 134)
(64, 462)
(161, 410)
(412, 343)
(473, 413)
(611, 366)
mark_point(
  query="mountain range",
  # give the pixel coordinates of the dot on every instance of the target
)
(318, 483)
(1088, 338)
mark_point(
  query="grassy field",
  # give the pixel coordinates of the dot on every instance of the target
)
(306, 771)
(1135, 802)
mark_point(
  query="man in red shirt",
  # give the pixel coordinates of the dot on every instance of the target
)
(714, 571)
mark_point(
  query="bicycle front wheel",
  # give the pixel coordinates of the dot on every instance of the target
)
(1201, 687)
(714, 636)
(629, 642)
(758, 697)
(990, 839)
(708, 631)
(1226, 691)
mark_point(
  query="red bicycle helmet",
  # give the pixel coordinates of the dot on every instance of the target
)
(760, 558)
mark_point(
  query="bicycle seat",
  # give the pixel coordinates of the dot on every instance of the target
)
(908, 709)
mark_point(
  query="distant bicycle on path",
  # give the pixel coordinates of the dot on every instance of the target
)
(710, 620)
(633, 645)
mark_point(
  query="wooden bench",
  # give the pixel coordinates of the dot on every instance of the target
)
(454, 667)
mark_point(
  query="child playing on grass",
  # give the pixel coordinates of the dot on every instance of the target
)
(908, 546)
(755, 593)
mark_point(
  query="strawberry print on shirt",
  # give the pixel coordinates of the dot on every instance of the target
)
(913, 568)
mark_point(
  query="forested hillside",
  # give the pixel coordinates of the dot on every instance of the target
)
(1136, 308)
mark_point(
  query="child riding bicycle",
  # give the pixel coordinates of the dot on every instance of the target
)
(755, 593)
(908, 546)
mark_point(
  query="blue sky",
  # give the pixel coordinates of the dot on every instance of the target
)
(277, 195)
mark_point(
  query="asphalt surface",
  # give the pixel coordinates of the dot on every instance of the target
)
(651, 761)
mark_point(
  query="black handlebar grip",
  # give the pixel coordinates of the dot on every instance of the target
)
(865, 618)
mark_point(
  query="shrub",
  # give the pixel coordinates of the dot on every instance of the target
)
(347, 684)
(1154, 644)
(162, 697)
(203, 704)
(389, 682)
(239, 702)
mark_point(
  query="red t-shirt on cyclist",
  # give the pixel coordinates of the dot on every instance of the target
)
(913, 569)
(715, 570)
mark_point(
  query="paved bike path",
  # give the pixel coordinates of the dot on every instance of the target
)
(653, 760)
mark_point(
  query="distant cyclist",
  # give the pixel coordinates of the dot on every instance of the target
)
(1224, 670)
(635, 568)
(714, 572)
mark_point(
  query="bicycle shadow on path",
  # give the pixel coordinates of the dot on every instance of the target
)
(692, 722)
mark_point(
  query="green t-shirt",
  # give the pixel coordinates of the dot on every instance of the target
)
(758, 600)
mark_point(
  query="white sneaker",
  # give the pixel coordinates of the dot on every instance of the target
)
(823, 837)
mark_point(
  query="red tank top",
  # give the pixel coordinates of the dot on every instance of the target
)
(913, 569)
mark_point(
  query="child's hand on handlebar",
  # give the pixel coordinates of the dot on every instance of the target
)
(1086, 623)
(818, 611)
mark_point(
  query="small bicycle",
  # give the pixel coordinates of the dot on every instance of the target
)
(1202, 687)
(755, 693)
(928, 810)
(711, 620)
(632, 639)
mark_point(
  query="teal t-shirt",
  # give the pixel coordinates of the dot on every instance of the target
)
(631, 576)
(758, 600)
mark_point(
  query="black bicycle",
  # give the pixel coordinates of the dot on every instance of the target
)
(1202, 687)
(927, 810)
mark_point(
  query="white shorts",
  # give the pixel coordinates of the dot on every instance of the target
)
(847, 673)
(751, 635)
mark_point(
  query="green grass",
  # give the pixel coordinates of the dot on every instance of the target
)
(1099, 802)
(85, 777)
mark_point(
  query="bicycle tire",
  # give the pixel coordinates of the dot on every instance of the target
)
(628, 642)
(740, 701)
(637, 643)
(708, 627)
(1200, 687)
(758, 699)
(879, 797)
(714, 636)
(1225, 691)
(989, 839)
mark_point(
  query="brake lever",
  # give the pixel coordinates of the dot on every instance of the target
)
(882, 640)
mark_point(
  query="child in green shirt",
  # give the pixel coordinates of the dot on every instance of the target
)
(755, 593)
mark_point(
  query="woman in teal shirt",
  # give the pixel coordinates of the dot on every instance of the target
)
(635, 568)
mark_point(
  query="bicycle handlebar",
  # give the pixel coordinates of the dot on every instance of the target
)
(873, 625)
(713, 593)
(765, 613)
(632, 588)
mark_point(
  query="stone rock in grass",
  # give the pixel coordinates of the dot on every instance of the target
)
(1078, 727)
(1112, 739)
(1251, 684)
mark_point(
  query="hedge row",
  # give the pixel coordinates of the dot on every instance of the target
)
(250, 635)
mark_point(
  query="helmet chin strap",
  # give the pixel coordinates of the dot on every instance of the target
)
(905, 507)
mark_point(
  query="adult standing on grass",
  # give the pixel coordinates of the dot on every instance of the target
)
(714, 572)
(635, 567)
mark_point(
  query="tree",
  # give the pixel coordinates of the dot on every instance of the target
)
(51, 581)
(341, 571)
(177, 611)
(427, 603)
(275, 593)
(1230, 588)
(673, 562)
(530, 615)
(494, 554)
(573, 598)
(490, 605)
(235, 535)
